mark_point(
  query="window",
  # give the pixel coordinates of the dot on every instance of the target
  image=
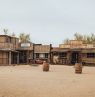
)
(90, 55)
(62, 55)
(46, 55)
(37, 55)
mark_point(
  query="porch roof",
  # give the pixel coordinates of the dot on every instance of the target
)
(75, 49)
(89, 50)
(8, 50)
(24, 49)
(57, 49)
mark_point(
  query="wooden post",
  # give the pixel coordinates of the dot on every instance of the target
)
(50, 53)
(28, 57)
(80, 57)
(10, 58)
(18, 58)
(68, 57)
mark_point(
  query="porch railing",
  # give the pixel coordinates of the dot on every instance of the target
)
(6, 46)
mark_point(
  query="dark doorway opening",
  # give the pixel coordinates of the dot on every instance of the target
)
(22, 57)
(14, 58)
(74, 57)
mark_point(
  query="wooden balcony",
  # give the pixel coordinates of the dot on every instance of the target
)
(7, 46)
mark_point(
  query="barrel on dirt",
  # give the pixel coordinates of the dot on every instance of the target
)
(45, 66)
(78, 67)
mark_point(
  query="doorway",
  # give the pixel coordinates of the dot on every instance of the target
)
(74, 57)
(22, 57)
(14, 57)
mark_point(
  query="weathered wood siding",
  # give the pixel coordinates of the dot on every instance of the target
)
(42, 49)
(87, 60)
(4, 58)
(15, 42)
(8, 42)
(2, 39)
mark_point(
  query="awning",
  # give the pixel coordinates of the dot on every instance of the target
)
(59, 50)
(8, 50)
(88, 51)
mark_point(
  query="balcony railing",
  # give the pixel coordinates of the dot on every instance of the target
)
(7, 46)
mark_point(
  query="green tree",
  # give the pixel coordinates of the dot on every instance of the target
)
(89, 39)
(78, 36)
(24, 37)
(93, 38)
(66, 41)
(5, 31)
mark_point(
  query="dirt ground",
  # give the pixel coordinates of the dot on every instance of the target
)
(60, 81)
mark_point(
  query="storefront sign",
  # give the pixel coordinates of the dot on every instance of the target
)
(25, 44)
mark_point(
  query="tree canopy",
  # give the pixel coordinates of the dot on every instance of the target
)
(5, 31)
(89, 39)
(24, 37)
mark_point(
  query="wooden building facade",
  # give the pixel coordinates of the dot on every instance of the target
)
(74, 52)
(14, 52)
(26, 52)
(8, 53)
(42, 53)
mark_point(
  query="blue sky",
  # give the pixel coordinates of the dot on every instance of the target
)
(48, 21)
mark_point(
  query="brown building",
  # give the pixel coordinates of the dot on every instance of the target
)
(8, 53)
(59, 55)
(14, 52)
(26, 52)
(74, 52)
(42, 53)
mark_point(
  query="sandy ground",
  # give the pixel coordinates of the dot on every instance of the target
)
(60, 81)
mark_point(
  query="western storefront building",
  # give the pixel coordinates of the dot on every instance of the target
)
(8, 53)
(74, 52)
(26, 52)
(14, 52)
(42, 53)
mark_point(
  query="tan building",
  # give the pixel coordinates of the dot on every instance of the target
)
(26, 52)
(8, 53)
(60, 55)
(42, 53)
(74, 52)
(14, 52)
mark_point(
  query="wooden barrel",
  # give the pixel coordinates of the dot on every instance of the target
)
(78, 67)
(45, 66)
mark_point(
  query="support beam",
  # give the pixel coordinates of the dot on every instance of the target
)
(18, 58)
(28, 57)
(10, 58)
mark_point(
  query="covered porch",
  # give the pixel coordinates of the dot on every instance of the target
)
(9, 57)
(60, 56)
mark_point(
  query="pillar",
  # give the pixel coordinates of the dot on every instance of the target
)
(10, 58)
(69, 57)
(28, 57)
(18, 58)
